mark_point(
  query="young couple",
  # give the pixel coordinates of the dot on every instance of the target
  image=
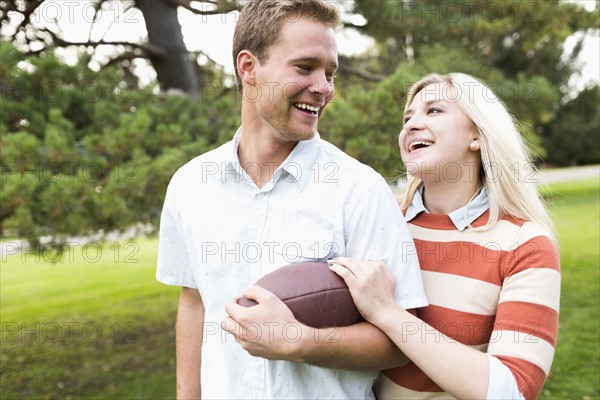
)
(474, 314)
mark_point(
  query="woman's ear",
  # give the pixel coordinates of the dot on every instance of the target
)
(474, 145)
(246, 67)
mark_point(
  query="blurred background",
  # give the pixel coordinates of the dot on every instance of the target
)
(102, 101)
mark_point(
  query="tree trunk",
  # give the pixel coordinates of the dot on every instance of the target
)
(174, 69)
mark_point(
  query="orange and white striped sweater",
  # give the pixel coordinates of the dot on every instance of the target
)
(496, 290)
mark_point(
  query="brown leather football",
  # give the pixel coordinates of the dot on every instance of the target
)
(317, 296)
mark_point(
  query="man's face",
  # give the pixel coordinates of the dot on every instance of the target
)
(295, 83)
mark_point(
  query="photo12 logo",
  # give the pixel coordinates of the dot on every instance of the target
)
(69, 172)
(72, 251)
(74, 11)
(53, 92)
(461, 11)
(69, 332)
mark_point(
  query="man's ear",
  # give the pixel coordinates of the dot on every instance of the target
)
(246, 67)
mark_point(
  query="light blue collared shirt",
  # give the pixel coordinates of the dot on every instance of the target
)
(461, 217)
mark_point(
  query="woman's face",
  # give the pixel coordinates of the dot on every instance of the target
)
(436, 136)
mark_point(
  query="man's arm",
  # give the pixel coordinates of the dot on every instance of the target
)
(189, 329)
(358, 347)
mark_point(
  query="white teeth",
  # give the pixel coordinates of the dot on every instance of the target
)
(413, 145)
(308, 107)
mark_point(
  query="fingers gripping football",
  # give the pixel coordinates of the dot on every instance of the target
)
(262, 330)
(371, 284)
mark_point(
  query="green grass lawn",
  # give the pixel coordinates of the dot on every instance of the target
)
(95, 324)
(575, 373)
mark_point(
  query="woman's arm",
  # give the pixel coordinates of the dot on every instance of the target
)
(439, 356)
(523, 337)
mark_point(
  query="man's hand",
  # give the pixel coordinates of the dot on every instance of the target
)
(268, 329)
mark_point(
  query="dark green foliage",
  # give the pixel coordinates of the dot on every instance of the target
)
(512, 36)
(82, 153)
(573, 136)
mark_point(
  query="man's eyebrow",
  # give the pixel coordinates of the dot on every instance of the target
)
(311, 60)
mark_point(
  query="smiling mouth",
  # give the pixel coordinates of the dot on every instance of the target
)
(307, 108)
(418, 145)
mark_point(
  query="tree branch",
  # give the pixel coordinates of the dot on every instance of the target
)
(350, 25)
(31, 7)
(8, 7)
(128, 56)
(348, 69)
(152, 50)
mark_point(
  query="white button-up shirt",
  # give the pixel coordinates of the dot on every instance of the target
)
(220, 233)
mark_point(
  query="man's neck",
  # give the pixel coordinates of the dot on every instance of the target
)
(260, 155)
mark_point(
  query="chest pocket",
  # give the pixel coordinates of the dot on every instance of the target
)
(298, 245)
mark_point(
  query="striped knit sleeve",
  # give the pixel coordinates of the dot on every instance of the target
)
(526, 325)
(502, 384)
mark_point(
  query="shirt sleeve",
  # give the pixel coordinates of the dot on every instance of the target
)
(377, 231)
(502, 384)
(526, 325)
(173, 264)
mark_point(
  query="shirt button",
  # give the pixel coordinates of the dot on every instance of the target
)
(260, 196)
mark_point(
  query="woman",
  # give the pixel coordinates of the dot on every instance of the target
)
(487, 252)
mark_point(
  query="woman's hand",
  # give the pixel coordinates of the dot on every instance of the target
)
(371, 284)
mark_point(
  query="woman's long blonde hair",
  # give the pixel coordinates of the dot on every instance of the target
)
(505, 158)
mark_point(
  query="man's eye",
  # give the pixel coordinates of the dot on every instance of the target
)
(305, 68)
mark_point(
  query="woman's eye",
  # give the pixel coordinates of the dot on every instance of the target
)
(434, 110)
(406, 119)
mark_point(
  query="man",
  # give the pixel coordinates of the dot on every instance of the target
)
(277, 194)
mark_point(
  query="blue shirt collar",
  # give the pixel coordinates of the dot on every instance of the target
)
(461, 218)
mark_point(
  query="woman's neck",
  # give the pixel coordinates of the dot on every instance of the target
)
(443, 198)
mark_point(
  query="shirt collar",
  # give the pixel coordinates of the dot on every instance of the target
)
(302, 159)
(296, 166)
(461, 218)
(232, 161)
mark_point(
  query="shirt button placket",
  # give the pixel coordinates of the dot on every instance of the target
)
(258, 218)
(257, 225)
